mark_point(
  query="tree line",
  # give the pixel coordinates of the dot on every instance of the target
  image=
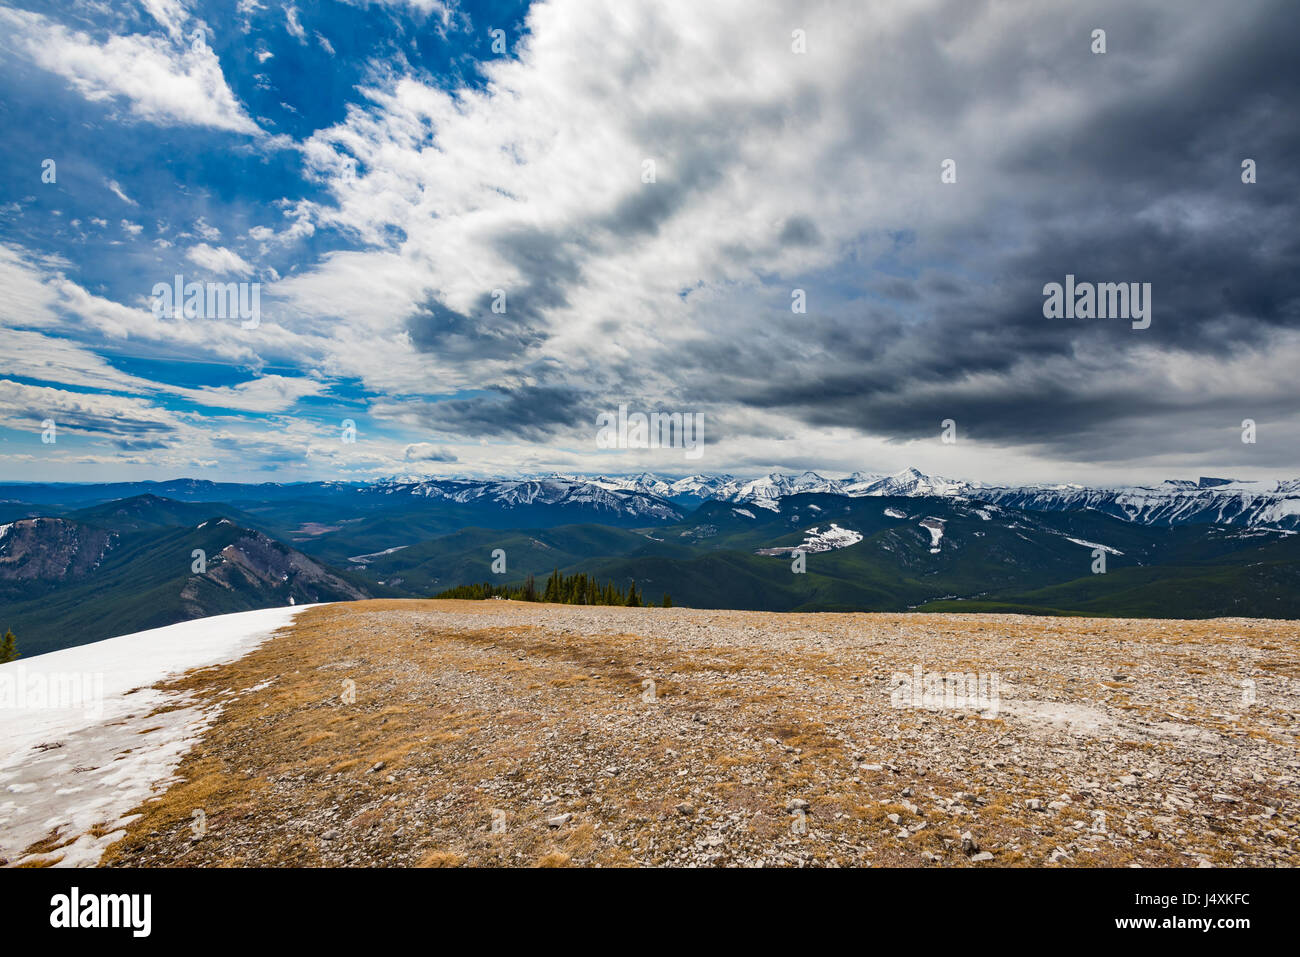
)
(579, 589)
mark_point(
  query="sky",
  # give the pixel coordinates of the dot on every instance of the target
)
(474, 228)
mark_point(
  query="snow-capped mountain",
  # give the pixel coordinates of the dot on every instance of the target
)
(1174, 502)
(767, 491)
(910, 482)
(705, 487)
(1223, 501)
(645, 483)
(623, 497)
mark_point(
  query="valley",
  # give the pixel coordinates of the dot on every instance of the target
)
(80, 563)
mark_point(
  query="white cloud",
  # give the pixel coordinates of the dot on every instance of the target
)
(268, 393)
(218, 259)
(26, 406)
(210, 233)
(115, 188)
(292, 25)
(163, 80)
(171, 14)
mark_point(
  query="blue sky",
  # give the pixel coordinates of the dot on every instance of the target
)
(384, 175)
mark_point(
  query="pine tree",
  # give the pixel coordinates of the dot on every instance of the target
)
(668, 600)
(633, 599)
(8, 648)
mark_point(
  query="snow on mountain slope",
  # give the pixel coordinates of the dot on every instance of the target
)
(704, 487)
(935, 527)
(768, 491)
(817, 540)
(74, 752)
(631, 497)
(1093, 545)
(912, 482)
(1174, 502)
(644, 483)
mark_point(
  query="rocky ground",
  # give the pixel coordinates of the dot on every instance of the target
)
(444, 733)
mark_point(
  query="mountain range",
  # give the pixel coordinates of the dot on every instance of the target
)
(83, 562)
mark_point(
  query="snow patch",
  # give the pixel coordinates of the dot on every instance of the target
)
(833, 537)
(96, 764)
(1085, 544)
(935, 527)
(815, 540)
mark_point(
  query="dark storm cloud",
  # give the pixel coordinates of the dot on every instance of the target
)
(434, 327)
(1149, 192)
(799, 231)
(533, 412)
(934, 309)
(424, 452)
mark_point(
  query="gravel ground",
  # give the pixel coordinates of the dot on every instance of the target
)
(446, 733)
